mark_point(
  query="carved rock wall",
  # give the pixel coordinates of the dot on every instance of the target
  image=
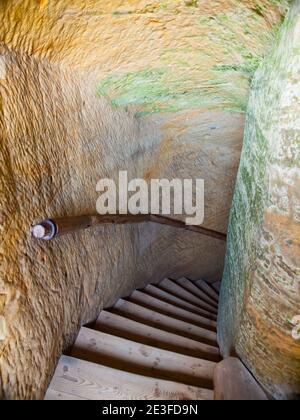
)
(261, 285)
(88, 88)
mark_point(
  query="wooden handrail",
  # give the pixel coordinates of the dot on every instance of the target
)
(51, 228)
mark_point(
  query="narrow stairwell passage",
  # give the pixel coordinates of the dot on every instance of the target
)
(158, 344)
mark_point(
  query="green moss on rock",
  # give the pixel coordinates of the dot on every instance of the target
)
(187, 76)
(260, 290)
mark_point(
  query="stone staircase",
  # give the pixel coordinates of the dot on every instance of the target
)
(158, 344)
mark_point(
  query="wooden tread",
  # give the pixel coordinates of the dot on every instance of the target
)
(123, 327)
(119, 353)
(150, 302)
(172, 287)
(54, 395)
(217, 287)
(164, 322)
(203, 295)
(96, 382)
(205, 287)
(161, 294)
(157, 344)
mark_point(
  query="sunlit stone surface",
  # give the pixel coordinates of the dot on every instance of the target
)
(88, 88)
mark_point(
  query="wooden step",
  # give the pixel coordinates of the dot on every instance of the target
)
(161, 294)
(123, 327)
(119, 353)
(53, 395)
(233, 382)
(150, 302)
(217, 287)
(164, 322)
(172, 287)
(207, 288)
(200, 293)
(96, 382)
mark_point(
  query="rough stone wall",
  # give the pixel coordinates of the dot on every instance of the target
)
(57, 140)
(63, 68)
(261, 285)
(151, 55)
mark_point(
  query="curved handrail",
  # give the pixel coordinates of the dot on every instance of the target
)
(50, 228)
